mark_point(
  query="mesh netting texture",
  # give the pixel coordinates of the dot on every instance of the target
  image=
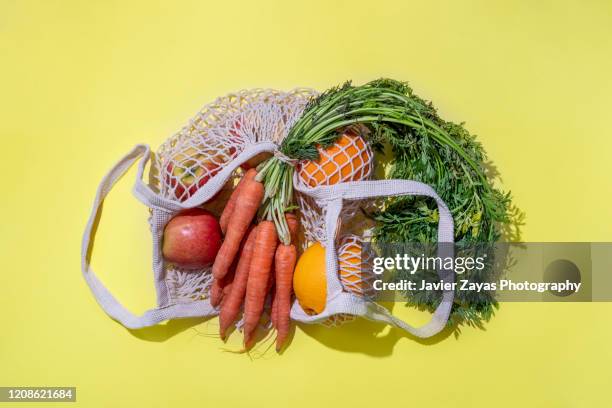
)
(213, 138)
(202, 161)
(217, 135)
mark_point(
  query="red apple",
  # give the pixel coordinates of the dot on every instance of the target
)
(186, 174)
(192, 239)
(234, 138)
(236, 126)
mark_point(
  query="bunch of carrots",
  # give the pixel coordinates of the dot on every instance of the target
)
(252, 263)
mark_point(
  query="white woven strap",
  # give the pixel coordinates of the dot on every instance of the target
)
(153, 200)
(332, 197)
(103, 296)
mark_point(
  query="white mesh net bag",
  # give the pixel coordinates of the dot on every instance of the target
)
(189, 169)
(349, 163)
(327, 213)
(195, 164)
(355, 268)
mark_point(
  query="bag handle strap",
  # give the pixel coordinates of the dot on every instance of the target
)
(153, 200)
(333, 197)
(105, 299)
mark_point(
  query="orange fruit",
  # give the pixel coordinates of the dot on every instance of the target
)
(309, 280)
(349, 159)
(354, 271)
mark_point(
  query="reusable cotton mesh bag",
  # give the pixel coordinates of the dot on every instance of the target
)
(199, 163)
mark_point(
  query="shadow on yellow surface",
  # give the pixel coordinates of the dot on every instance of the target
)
(359, 336)
(163, 332)
(366, 337)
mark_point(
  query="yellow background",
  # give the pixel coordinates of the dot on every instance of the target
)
(82, 82)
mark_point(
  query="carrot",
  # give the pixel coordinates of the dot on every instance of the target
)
(217, 290)
(230, 206)
(292, 223)
(274, 308)
(270, 279)
(247, 204)
(259, 274)
(270, 291)
(284, 264)
(281, 305)
(231, 303)
(227, 289)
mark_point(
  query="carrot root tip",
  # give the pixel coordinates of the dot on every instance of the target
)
(248, 342)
